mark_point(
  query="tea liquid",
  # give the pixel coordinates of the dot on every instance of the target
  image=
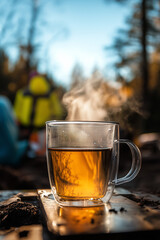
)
(80, 173)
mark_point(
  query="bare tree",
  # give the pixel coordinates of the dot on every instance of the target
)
(132, 44)
(25, 29)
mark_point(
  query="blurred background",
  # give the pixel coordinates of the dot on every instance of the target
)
(77, 60)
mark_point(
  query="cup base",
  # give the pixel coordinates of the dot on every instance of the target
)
(80, 203)
(83, 202)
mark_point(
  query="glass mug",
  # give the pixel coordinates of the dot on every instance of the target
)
(83, 159)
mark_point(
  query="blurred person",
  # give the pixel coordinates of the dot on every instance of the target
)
(12, 150)
(33, 106)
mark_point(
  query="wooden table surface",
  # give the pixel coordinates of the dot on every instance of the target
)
(129, 215)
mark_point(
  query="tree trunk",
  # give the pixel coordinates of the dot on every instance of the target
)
(30, 47)
(144, 70)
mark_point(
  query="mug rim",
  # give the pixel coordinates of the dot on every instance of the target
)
(80, 122)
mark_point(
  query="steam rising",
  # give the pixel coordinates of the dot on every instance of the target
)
(96, 100)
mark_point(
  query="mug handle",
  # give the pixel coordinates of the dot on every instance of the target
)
(136, 162)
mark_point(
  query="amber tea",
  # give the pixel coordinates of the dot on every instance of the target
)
(80, 173)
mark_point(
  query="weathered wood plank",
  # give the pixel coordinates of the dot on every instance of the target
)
(121, 215)
(128, 216)
(24, 232)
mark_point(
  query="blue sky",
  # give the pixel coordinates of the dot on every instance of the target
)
(92, 25)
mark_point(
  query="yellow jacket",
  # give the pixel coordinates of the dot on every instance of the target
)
(37, 104)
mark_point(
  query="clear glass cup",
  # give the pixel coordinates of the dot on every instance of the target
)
(83, 159)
